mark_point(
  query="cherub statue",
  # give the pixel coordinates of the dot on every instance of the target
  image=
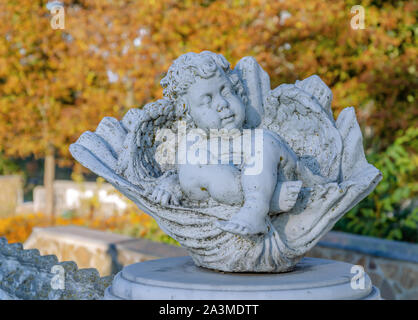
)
(312, 171)
(203, 84)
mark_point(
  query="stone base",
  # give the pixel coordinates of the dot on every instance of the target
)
(179, 279)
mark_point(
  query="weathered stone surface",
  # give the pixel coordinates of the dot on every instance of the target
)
(362, 261)
(386, 291)
(407, 280)
(372, 264)
(398, 289)
(107, 252)
(376, 279)
(312, 168)
(339, 256)
(25, 274)
(390, 270)
(389, 249)
(411, 295)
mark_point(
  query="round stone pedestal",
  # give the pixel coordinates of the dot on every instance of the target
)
(179, 279)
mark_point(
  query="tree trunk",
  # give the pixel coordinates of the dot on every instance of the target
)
(130, 95)
(49, 177)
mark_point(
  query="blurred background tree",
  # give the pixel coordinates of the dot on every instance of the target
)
(111, 56)
(37, 86)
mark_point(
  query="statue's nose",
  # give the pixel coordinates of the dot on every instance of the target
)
(222, 104)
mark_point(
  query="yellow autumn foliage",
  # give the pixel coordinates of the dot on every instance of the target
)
(19, 227)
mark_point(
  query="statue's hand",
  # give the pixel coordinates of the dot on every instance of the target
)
(167, 191)
(309, 178)
(289, 194)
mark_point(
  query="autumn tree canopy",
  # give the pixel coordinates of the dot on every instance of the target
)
(111, 55)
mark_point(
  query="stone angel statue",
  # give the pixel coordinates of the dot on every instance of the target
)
(231, 216)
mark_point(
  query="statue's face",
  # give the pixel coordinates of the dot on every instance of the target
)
(213, 103)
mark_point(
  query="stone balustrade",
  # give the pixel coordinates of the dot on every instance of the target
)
(25, 274)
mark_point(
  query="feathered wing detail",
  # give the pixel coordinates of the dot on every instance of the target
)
(319, 92)
(123, 152)
(136, 161)
(257, 86)
(301, 114)
(322, 206)
(297, 116)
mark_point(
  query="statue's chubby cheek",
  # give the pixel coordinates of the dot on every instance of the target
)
(206, 118)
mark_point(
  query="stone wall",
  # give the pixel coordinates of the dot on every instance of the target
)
(106, 252)
(25, 274)
(391, 265)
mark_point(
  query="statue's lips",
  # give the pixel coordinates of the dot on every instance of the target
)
(228, 118)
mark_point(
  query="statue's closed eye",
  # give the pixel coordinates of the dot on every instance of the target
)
(226, 91)
(207, 99)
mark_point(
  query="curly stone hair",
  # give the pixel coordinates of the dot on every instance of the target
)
(184, 70)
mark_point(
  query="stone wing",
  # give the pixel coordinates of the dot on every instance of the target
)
(300, 113)
(256, 83)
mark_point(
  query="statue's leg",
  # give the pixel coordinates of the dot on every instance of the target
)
(285, 196)
(258, 190)
(308, 178)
